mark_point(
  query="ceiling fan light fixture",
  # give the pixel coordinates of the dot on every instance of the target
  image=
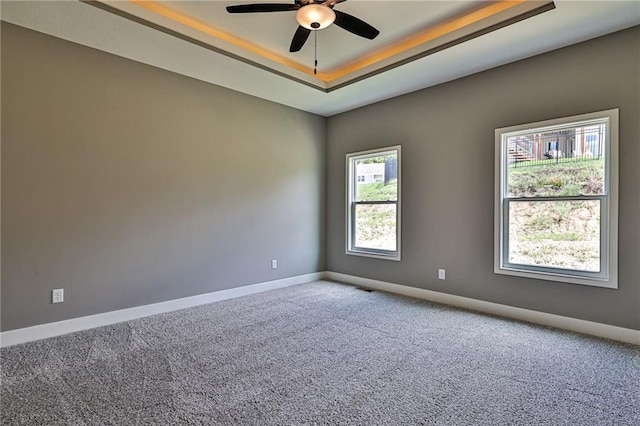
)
(315, 16)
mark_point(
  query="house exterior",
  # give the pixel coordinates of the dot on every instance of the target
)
(370, 173)
(579, 143)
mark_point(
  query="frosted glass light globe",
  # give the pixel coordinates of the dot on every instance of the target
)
(315, 16)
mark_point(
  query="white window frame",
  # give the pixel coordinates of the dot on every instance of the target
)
(608, 274)
(351, 182)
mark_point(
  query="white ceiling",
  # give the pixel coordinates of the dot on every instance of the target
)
(570, 22)
(394, 19)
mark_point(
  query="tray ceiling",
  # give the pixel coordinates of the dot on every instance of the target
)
(421, 43)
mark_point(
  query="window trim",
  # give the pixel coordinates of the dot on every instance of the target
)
(608, 276)
(350, 203)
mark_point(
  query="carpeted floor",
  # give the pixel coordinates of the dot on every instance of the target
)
(321, 353)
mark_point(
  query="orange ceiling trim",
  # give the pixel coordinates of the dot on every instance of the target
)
(422, 37)
(397, 48)
(196, 24)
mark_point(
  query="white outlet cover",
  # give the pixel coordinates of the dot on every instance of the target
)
(57, 295)
(441, 274)
(274, 264)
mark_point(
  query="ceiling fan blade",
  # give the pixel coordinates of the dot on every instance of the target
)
(262, 7)
(355, 25)
(299, 38)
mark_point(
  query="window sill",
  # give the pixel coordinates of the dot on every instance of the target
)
(611, 283)
(375, 255)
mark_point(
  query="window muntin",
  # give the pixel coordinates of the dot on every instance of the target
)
(556, 200)
(373, 203)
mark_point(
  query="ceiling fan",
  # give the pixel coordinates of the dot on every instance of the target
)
(312, 15)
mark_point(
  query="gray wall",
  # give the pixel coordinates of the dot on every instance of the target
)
(447, 137)
(127, 185)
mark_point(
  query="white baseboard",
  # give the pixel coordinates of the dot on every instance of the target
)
(566, 323)
(37, 332)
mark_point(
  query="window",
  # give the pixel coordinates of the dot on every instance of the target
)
(373, 204)
(360, 178)
(556, 211)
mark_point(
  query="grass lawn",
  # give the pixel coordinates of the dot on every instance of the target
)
(556, 178)
(378, 191)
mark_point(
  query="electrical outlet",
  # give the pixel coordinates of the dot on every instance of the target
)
(274, 263)
(441, 274)
(57, 296)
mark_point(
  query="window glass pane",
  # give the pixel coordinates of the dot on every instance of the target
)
(558, 234)
(375, 226)
(377, 178)
(565, 162)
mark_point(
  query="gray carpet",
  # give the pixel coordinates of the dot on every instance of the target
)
(321, 353)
